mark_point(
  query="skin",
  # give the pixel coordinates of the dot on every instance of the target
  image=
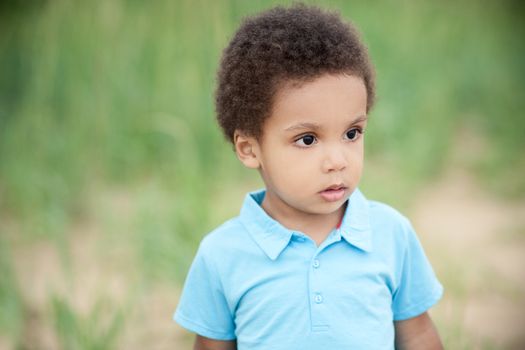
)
(417, 333)
(202, 343)
(313, 140)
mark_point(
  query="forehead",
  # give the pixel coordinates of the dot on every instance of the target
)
(327, 99)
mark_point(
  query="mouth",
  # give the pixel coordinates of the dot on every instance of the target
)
(333, 193)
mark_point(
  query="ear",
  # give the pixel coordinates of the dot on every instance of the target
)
(246, 149)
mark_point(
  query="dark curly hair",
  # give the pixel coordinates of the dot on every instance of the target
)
(278, 46)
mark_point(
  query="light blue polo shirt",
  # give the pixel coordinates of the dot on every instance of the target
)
(271, 288)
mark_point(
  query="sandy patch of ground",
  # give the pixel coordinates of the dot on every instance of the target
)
(476, 244)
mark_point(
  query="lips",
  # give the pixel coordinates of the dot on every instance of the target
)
(333, 193)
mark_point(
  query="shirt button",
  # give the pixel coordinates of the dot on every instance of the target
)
(316, 263)
(318, 298)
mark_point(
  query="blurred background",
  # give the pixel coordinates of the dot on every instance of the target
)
(112, 167)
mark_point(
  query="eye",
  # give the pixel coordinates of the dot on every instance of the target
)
(306, 141)
(353, 134)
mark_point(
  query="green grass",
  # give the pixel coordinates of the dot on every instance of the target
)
(119, 94)
(96, 331)
(118, 91)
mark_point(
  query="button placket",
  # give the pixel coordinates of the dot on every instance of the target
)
(316, 263)
(317, 298)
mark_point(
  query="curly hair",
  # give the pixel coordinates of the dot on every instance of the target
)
(278, 46)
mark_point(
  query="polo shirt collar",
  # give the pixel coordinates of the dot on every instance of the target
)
(269, 234)
(272, 237)
(355, 227)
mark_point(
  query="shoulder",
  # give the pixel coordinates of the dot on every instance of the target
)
(226, 242)
(225, 253)
(389, 225)
(223, 236)
(384, 216)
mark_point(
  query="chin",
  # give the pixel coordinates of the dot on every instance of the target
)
(329, 208)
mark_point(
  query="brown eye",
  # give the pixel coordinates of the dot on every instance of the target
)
(353, 134)
(306, 140)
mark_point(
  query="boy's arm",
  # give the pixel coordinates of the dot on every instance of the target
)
(417, 333)
(203, 343)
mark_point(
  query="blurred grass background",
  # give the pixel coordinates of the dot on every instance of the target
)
(109, 150)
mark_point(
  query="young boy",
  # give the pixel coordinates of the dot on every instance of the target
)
(309, 263)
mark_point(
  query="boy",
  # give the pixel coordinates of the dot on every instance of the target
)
(310, 263)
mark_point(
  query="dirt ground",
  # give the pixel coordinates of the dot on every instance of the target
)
(475, 242)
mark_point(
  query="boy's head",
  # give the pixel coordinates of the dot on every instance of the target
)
(295, 87)
(284, 47)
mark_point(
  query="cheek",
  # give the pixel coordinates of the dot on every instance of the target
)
(357, 159)
(360, 153)
(291, 168)
(357, 162)
(356, 150)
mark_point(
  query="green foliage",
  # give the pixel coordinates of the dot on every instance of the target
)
(168, 225)
(113, 91)
(116, 90)
(97, 331)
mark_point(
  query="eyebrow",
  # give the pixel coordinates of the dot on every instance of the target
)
(314, 126)
(301, 126)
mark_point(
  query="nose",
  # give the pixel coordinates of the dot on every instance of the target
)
(334, 160)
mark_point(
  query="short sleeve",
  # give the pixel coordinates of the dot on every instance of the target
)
(418, 289)
(202, 307)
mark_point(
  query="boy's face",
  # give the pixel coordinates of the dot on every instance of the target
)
(310, 155)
